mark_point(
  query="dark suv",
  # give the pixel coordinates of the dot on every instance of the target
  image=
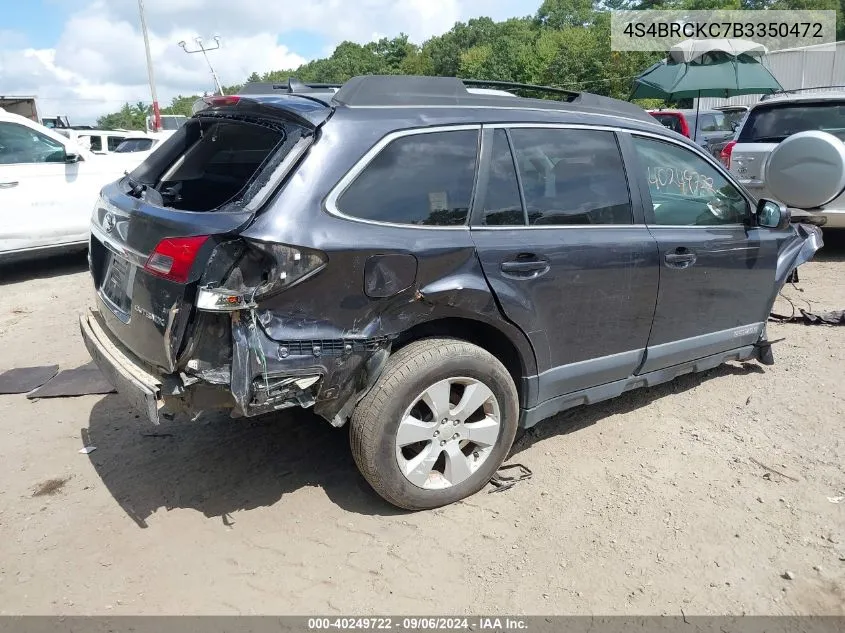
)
(436, 265)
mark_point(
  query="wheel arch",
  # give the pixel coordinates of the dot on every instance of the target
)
(518, 359)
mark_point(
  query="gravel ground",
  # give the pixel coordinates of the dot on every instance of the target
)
(708, 495)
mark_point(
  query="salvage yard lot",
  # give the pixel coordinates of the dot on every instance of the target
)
(655, 502)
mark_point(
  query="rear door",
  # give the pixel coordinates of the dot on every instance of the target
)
(562, 244)
(716, 272)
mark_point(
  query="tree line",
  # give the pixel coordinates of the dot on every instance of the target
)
(566, 43)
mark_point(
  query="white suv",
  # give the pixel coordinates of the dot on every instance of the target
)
(789, 146)
(48, 186)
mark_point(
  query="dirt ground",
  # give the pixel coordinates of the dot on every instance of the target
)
(647, 504)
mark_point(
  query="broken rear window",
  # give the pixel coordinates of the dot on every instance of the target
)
(221, 158)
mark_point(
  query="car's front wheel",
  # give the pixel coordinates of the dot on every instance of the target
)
(436, 425)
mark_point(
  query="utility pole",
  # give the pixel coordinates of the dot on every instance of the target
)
(156, 110)
(203, 49)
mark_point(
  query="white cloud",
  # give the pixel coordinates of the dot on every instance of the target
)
(98, 61)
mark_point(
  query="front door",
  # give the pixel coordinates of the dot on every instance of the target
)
(716, 271)
(565, 251)
(33, 188)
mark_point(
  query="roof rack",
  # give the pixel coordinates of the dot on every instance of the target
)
(796, 90)
(426, 91)
(519, 86)
(371, 90)
(291, 86)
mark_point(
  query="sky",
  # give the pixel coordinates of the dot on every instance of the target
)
(85, 58)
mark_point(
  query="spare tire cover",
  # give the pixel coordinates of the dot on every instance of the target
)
(807, 170)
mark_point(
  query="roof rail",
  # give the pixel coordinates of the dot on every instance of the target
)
(426, 91)
(570, 94)
(291, 86)
(373, 90)
(796, 90)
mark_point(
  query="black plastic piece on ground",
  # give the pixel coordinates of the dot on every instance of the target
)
(81, 381)
(25, 379)
(503, 482)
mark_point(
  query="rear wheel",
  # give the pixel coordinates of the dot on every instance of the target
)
(437, 424)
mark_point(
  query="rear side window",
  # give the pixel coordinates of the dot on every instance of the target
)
(772, 124)
(96, 143)
(422, 179)
(572, 176)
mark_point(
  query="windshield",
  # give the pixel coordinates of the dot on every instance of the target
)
(134, 145)
(772, 124)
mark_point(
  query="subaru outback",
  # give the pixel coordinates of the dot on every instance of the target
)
(435, 266)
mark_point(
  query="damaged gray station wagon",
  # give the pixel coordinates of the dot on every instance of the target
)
(433, 264)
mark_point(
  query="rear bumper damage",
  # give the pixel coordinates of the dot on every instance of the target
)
(262, 375)
(330, 374)
(141, 388)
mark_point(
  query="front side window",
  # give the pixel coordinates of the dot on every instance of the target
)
(423, 179)
(96, 143)
(572, 176)
(685, 189)
(20, 144)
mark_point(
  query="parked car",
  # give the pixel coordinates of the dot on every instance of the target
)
(48, 185)
(791, 144)
(708, 128)
(435, 267)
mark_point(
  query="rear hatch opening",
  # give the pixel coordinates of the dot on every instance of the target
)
(212, 161)
(159, 234)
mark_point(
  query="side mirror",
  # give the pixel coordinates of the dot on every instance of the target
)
(72, 157)
(772, 215)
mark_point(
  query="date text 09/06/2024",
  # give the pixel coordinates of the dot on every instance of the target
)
(418, 624)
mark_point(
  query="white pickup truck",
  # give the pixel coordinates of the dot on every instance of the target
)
(48, 187)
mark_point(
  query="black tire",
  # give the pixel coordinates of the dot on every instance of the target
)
(408, 373)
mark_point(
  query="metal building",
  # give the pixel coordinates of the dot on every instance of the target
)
(806, 67)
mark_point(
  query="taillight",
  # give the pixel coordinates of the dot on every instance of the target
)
(174, 256)
(288, 265)
(225, 100)
(725, 154)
